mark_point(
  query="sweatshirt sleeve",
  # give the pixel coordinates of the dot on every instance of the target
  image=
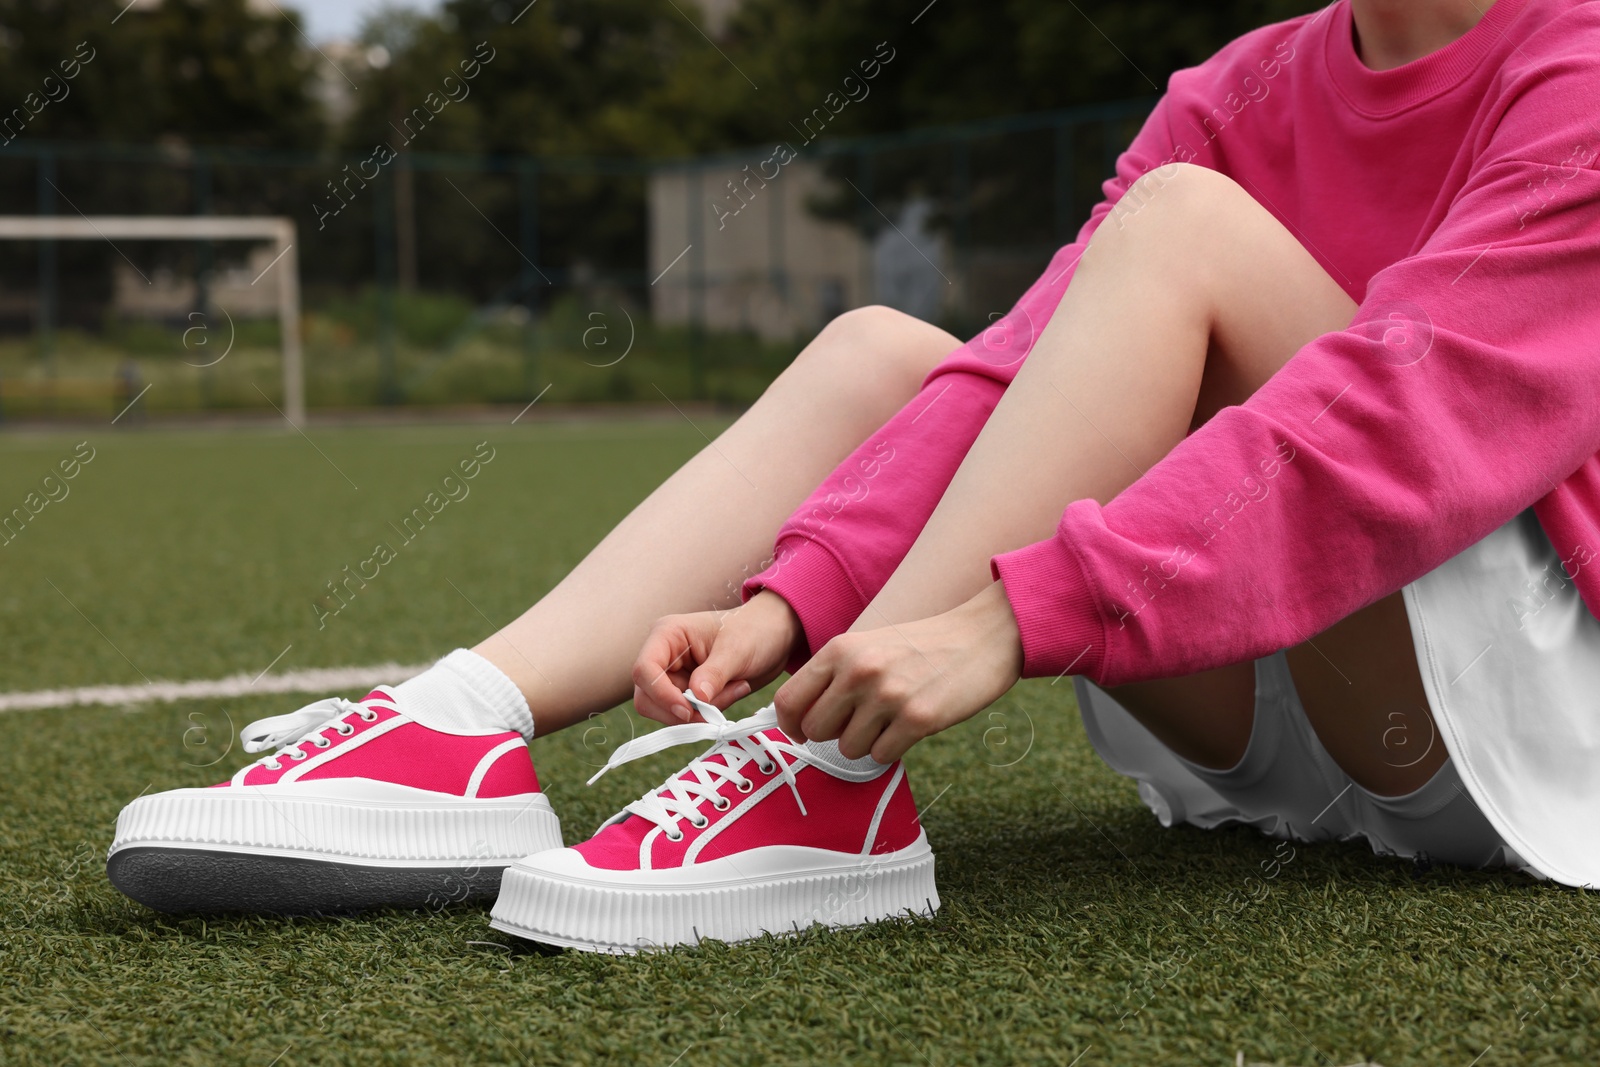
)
(835, 553)
(1466, 389)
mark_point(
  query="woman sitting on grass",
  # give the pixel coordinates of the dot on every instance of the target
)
(1318, 389)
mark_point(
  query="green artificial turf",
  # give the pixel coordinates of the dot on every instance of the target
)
(1074, 928)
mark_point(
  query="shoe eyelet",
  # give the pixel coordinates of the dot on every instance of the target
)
(722, 803)
(766, 768)
(346, 729)
(322, 741)
(298, 754)
(273, 766)
(368, 715)
(700, 823)
(676, 839)
(744, 785)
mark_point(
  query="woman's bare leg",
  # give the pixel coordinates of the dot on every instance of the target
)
(1187, 300)
(689, 545)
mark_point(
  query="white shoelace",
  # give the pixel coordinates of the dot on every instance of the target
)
(286, 732)
(737, 741)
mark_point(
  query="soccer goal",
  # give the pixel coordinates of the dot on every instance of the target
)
(280, 231)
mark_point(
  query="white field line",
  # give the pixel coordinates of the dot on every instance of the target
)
(325, 680)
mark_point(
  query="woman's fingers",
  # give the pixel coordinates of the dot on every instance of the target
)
(882, 691)
(731, 694)
(831, 712)
(721, 656)
(895, 740)
(856, 668)
(866, 724)
(726, 664)
(795, 697)
(650, 708)
(662, 670)
(735, 666)
(857, 690)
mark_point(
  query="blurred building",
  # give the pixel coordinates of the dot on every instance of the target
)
(718, 12)
(163, 294)
(731, 251)
(347, 62)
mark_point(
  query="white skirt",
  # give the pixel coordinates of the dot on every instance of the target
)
(1510, 660)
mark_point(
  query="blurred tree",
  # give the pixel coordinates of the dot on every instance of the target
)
(640, 78)
(589, 77)
(175, 74)
(617, 78)
(224, 72)
(599, 77)
(191, 71)
(963, 61)
(561, 78)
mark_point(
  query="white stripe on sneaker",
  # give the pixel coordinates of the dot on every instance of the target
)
(489, 759)
(883, 805)
(299, 768)
(311, 680)
(731, 819)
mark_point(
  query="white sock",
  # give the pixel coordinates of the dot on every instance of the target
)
(465, 693)
(828, 752)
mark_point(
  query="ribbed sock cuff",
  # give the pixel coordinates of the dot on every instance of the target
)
(828, 752)
(465, 693)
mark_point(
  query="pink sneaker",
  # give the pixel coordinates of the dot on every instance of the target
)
(758, 835)
(361, 807)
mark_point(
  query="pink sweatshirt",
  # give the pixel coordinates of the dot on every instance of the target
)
(1457, 199)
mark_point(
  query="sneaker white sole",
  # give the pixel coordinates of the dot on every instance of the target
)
(343, 847)
(557, 899)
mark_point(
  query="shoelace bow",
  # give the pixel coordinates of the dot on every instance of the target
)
(286, 732)
(737, 741)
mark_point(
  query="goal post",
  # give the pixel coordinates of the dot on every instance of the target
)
(279, 231)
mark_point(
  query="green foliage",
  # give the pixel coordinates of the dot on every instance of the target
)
(632, 77)
(635, 79)
(445, 354)
(424, 319)
(626, 78)
(571, 77)
(962, 62)
(218, 72)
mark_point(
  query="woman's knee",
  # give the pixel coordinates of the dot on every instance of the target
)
(1181, 194)
(879, 349)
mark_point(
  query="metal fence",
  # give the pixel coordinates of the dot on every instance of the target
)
(440, 279)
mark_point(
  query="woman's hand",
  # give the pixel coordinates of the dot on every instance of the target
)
(882, 691)
(723, 656)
